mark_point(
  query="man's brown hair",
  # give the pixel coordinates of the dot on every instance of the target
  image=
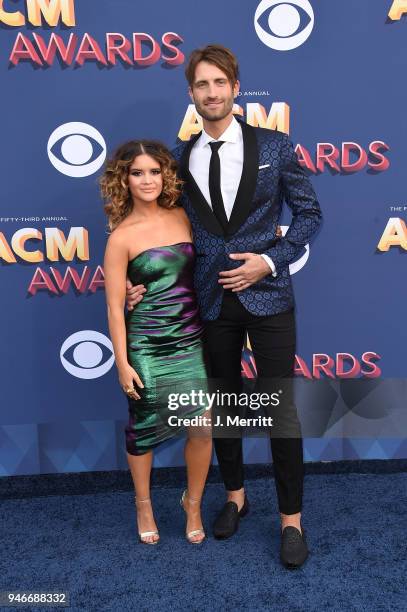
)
(218, 55)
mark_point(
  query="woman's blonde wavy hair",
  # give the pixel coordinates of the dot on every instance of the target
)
(114, 182)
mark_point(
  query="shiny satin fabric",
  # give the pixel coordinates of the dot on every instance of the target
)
(164, 343)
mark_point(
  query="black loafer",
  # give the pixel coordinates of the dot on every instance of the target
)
(294, 550)
(227, 521)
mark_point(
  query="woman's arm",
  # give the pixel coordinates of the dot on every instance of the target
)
(115, 269)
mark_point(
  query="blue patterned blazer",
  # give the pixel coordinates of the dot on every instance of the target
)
(253, 222)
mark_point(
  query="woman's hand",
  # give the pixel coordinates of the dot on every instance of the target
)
(127, 377)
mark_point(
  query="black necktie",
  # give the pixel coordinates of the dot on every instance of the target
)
(214, 184)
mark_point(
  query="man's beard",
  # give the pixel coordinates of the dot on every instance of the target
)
(220, 114)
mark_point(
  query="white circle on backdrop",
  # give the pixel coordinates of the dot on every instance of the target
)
(87, 354)
(283, 21)
(77, 149)
(76, 164)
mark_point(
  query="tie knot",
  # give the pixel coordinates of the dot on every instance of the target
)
(215, 145)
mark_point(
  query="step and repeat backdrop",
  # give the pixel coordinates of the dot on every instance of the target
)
(78, 78)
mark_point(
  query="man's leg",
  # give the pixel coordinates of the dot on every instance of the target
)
(273, 341)
(223, 347)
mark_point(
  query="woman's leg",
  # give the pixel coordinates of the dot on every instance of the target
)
(140, 467)
(198, 454)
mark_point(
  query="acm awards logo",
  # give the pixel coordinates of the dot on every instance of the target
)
(398, 9)
(70, 149)
(323, 366)
(338, 158)
(52, 244)
(115, 48)
(394, 235)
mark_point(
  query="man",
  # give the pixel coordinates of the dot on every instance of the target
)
(236, 178)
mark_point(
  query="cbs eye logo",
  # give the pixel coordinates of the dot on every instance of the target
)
(86, 354)
(76, 143)
(284, 22)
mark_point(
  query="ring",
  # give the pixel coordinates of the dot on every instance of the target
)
(129, 390)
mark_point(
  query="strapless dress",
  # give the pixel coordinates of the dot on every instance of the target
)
(164, 345)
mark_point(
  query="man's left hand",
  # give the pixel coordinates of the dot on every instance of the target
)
(251, 271)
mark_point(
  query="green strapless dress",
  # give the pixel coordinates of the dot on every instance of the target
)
(164, 344)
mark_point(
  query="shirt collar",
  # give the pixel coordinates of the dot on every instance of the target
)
(233, 133)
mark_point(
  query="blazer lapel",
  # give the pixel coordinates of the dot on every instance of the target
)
(245, 192)
(248, 181)
(202, 208)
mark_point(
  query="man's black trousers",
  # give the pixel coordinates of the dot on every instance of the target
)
(273, 342)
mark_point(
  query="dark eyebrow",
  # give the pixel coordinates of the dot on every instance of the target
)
(203, 81)
(140, 169)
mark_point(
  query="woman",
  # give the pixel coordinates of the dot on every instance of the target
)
(158, 345)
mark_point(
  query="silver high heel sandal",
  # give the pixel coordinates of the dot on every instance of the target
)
(146, 534)
(194, 532)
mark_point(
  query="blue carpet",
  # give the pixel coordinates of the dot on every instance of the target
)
(86, 544)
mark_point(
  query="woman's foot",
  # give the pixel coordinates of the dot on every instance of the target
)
(147, 528)
(194, 529)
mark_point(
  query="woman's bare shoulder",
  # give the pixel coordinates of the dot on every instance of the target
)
(120, 237)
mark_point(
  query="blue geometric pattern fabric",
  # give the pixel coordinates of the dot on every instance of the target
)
(279, 177)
